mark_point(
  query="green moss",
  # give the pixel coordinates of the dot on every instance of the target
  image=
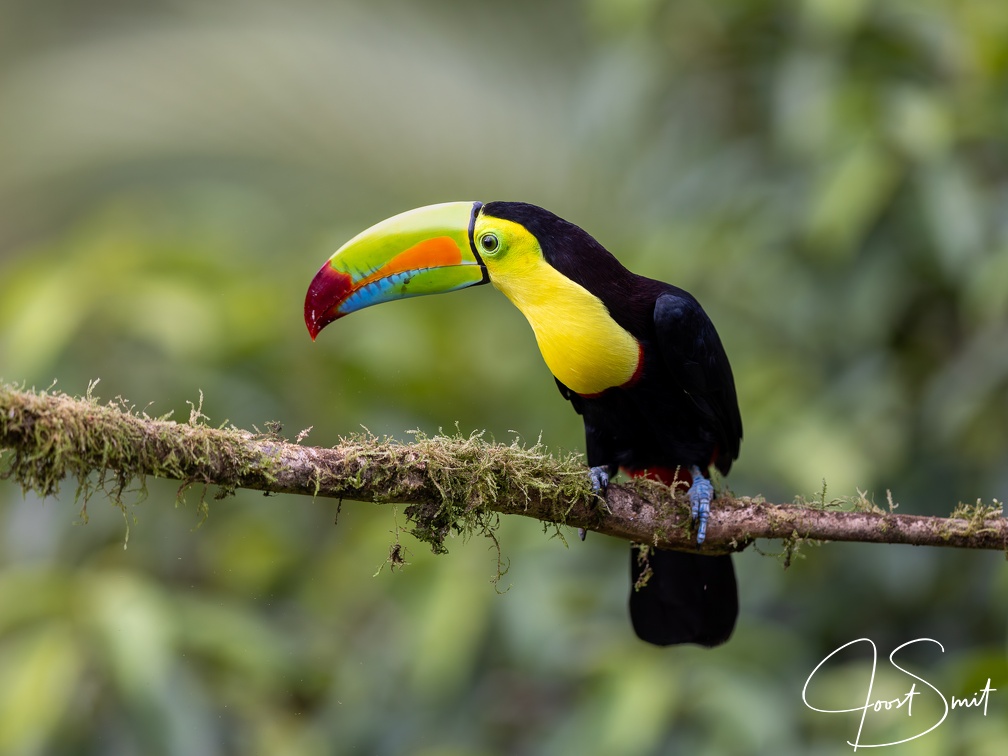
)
(858, 503)
(791, 548)
(471, 474)
(643, 556)
(672, 508)
(110, 449)
(453, 481)
(977, 515)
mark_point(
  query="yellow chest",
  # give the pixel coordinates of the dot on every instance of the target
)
(582, 345)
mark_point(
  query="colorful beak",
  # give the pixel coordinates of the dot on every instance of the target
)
(424, 251)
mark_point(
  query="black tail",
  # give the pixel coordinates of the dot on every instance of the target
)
(689, 598)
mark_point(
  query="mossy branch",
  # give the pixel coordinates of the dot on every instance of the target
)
(448, 483)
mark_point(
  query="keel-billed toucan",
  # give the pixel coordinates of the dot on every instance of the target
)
(639, 360)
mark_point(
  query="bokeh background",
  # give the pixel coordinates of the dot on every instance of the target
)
(829, 177)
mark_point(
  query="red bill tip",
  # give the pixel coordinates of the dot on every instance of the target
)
(326, 293)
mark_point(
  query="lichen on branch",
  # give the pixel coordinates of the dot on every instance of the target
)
(450, 484)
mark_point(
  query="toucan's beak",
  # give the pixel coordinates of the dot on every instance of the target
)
(424, 251)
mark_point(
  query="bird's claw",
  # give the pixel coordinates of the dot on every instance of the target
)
(701, 493)
(599, 476)
(599, 479)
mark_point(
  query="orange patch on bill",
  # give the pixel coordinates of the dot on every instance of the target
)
(430, 253)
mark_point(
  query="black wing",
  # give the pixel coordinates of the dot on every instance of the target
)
(693, 354)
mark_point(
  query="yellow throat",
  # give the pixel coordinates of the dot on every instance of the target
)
(582, 345)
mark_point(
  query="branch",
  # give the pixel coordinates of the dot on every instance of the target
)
(449, 483)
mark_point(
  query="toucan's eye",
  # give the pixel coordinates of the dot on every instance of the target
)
(489, 243)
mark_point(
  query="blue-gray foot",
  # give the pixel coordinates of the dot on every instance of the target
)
(599, 476)
(599, 479)
(701, 493)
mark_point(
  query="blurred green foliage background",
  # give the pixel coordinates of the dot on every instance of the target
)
(829, 177)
